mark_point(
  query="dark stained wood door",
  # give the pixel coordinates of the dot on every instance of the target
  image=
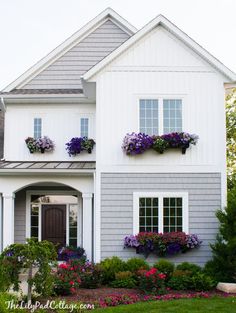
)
(54, 223)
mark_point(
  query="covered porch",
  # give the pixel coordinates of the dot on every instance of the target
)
(49, 204)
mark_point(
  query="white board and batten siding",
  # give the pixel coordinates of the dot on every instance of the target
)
(66, 71)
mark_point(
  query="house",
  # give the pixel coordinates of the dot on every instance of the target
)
(105, 81)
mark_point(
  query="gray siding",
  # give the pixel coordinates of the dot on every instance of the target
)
(1, 134)
(67, 70)
(20, 216)
(117, 209)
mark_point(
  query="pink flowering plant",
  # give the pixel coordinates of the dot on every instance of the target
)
(162, 244)
(67, 279)
(152, 281)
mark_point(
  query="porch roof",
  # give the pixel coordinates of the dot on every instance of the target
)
(54, 166)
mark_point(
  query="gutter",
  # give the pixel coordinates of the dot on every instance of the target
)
(2, 106)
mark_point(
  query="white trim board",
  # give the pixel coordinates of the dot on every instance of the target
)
(105, 15)
(164, 22)
(160, 196)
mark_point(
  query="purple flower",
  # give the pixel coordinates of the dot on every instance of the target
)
(136, 143)
(193, 241)
(131, 241)
(44, 143)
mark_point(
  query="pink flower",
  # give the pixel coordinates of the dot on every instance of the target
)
(71, 282)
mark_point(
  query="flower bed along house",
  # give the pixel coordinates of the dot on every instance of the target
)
(162, 244)
(138, 143)
(79, 144)
(41, 144)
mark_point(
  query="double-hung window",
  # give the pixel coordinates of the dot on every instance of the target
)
(37, 128)
(160, 116)
(160, 212)
(84, 127)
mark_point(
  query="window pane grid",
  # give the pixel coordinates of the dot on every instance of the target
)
(37, 128)
(172, 115)
(148, 214)
(34, 221)
(172, 214)
(148, 116)
(84, 127)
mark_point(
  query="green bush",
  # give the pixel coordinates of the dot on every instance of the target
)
(202, 282)
(4, 298)
(135, 264)
(111, 266)
(124, 280)
(180, 280)
(186, 266)
(165, 267)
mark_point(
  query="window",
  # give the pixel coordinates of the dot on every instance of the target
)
(160, 212)
(148, 116)
(73, 217)
(160, 116)
(34, 231)
(172, 114)
(84, 123)
(37, 128)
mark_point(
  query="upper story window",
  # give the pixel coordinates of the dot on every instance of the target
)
(148, 116)
(84, 127)
(172, 115)
(37, 128)
(160, 116)
(160, 212)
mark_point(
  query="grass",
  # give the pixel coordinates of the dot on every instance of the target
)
(216, 305)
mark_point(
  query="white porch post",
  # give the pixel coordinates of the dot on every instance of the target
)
(8, 219)
(87, 224)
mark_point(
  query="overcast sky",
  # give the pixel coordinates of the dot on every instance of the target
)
(29, 29)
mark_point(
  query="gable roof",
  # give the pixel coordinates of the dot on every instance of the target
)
(163, 21)
(35, 70)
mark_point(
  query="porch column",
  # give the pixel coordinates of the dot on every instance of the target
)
(87, 224)
(8, 219)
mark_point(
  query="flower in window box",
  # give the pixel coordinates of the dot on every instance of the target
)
(136, 143)
(88, 144)
(44, 144)
(159, 144)
(31, 144)
(78, 144)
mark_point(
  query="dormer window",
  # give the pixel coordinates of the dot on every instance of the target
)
(37, 128)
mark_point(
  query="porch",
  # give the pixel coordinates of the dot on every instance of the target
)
(55, 206)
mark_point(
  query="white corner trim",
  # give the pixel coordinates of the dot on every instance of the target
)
(160, 196)
(162, 21)
(69, 43)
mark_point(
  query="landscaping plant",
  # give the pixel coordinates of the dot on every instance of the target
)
(111, 266)
(135, 264)
(151, 281)
(165, 267)
(124, 280)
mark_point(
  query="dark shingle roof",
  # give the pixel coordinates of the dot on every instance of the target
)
(43, 91)
(78, 165)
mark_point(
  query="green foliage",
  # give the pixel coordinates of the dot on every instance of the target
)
(4, 298)
(135, 264)
(202, 282)
(111, 266)
(222, 267)
(24, 257)
(152, 281)
(124, 280)
(91, 275)
(180, 280)
(165, 267)
(186, 266)
(231, 135)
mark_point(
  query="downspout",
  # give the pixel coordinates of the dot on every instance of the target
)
(3, 106)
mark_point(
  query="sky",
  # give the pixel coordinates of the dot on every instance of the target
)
(30, 29)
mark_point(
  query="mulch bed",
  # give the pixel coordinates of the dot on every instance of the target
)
(93, 295)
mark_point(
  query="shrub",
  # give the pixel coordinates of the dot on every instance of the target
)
(186, 266)
(90, 275)
(165, 267)
(222, 267)
(202, 282)
(134, 264)
(180, 280)
(124, 280)
(152, 281)
(111, 266)
(4, 298)
(67, 279)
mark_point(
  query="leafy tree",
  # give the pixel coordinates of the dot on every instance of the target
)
(231, 137)
(223, 265)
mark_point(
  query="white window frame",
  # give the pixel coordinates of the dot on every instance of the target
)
(160, 196)
(160, 99)
(29, 193)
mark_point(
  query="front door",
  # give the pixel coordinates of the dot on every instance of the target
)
(54, 223)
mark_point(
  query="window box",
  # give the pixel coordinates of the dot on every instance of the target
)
(79, 144)
(41, 144)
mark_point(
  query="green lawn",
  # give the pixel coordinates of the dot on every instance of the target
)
(216, 305)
